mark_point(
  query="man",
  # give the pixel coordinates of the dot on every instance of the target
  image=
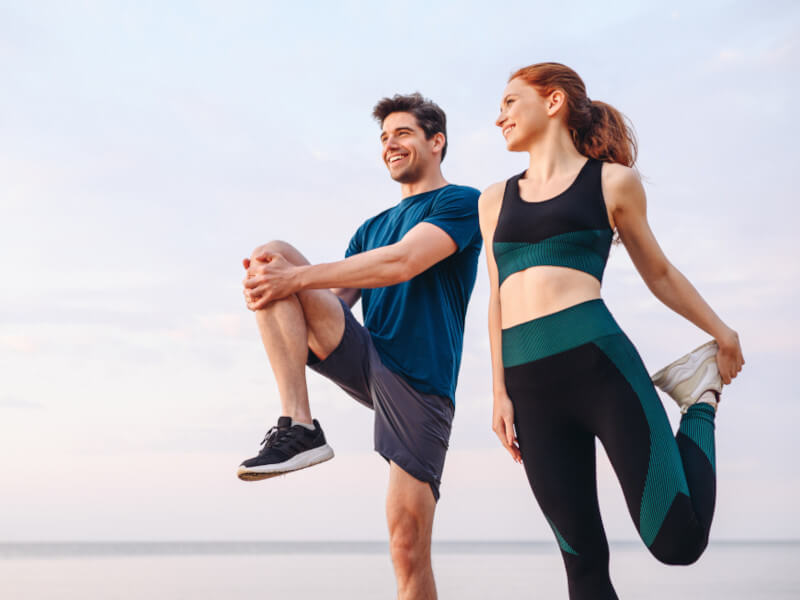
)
(414, 267)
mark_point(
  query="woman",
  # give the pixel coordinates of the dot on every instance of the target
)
(563, 371)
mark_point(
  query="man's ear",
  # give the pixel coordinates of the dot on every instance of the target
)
(438, 140)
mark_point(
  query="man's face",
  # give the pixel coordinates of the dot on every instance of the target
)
(406, 152)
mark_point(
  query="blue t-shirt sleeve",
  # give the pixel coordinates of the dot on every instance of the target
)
(455, 211)
(356, 244)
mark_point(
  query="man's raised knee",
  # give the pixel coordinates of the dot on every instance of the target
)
(285, 249)
(272, 247)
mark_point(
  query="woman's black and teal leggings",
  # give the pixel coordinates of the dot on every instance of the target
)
(573, 376)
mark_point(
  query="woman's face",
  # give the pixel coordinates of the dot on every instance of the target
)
(524, 115)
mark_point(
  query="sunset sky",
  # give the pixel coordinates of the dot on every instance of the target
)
(145, 148)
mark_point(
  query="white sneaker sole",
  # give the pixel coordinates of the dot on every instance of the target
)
(309, 458)
(687, 378)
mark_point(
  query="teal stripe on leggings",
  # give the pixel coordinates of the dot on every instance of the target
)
(561, 541)
(561, 331)
(665, 476)
(698, 425)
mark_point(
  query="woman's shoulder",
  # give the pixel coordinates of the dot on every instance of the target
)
(622, 187)
(491, 197)
(494, 191)
(489, 204)
(620, 177)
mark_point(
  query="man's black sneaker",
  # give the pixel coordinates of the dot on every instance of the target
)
(286, 448)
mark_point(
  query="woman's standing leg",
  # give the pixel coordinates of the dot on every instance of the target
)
(559, 459)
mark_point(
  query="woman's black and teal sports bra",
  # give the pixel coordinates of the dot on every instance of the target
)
(568, 230)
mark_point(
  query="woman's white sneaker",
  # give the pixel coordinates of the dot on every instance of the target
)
(689, 377)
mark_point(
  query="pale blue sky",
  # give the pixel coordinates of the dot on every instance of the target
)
(144, 149)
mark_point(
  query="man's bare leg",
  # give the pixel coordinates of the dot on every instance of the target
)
(288, 327)
(410, 506)
(282, 326)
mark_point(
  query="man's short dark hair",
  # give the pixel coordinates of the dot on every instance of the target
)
(430, 117)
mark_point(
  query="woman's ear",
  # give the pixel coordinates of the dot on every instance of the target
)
(555, 102)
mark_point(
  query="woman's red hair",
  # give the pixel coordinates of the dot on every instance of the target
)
(598, 129)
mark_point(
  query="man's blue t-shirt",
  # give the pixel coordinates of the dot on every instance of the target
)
(418, 326)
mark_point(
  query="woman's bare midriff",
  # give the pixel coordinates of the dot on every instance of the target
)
(543, 290)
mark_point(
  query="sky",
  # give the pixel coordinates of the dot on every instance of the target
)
(146, 148)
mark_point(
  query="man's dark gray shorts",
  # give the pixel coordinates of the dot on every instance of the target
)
(412, 429)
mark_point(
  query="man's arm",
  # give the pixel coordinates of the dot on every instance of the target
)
(421, 248)
(349, 295)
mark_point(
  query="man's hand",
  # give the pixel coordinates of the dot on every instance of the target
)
(269, 277)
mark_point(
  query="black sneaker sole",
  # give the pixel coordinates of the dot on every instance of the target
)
(306, 459)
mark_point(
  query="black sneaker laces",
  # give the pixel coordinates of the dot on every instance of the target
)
(275, 437)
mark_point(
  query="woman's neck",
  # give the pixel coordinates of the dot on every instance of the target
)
(552, 154)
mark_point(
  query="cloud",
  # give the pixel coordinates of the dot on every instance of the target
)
(232, 325)
(26, 344)
(13, 402)
(775, 54)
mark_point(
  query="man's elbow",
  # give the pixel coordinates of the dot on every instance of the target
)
(400, 266)
(409, 266)
(349, 295)
(404, 270)
(408, 262)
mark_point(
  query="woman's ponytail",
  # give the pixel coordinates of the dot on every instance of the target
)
(598, 129)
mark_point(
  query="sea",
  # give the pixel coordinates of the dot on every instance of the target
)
(362, 571)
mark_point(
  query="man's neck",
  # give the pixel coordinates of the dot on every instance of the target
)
(433, 181)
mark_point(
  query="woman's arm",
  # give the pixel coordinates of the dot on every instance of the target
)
(626, 200)
(503, 410)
